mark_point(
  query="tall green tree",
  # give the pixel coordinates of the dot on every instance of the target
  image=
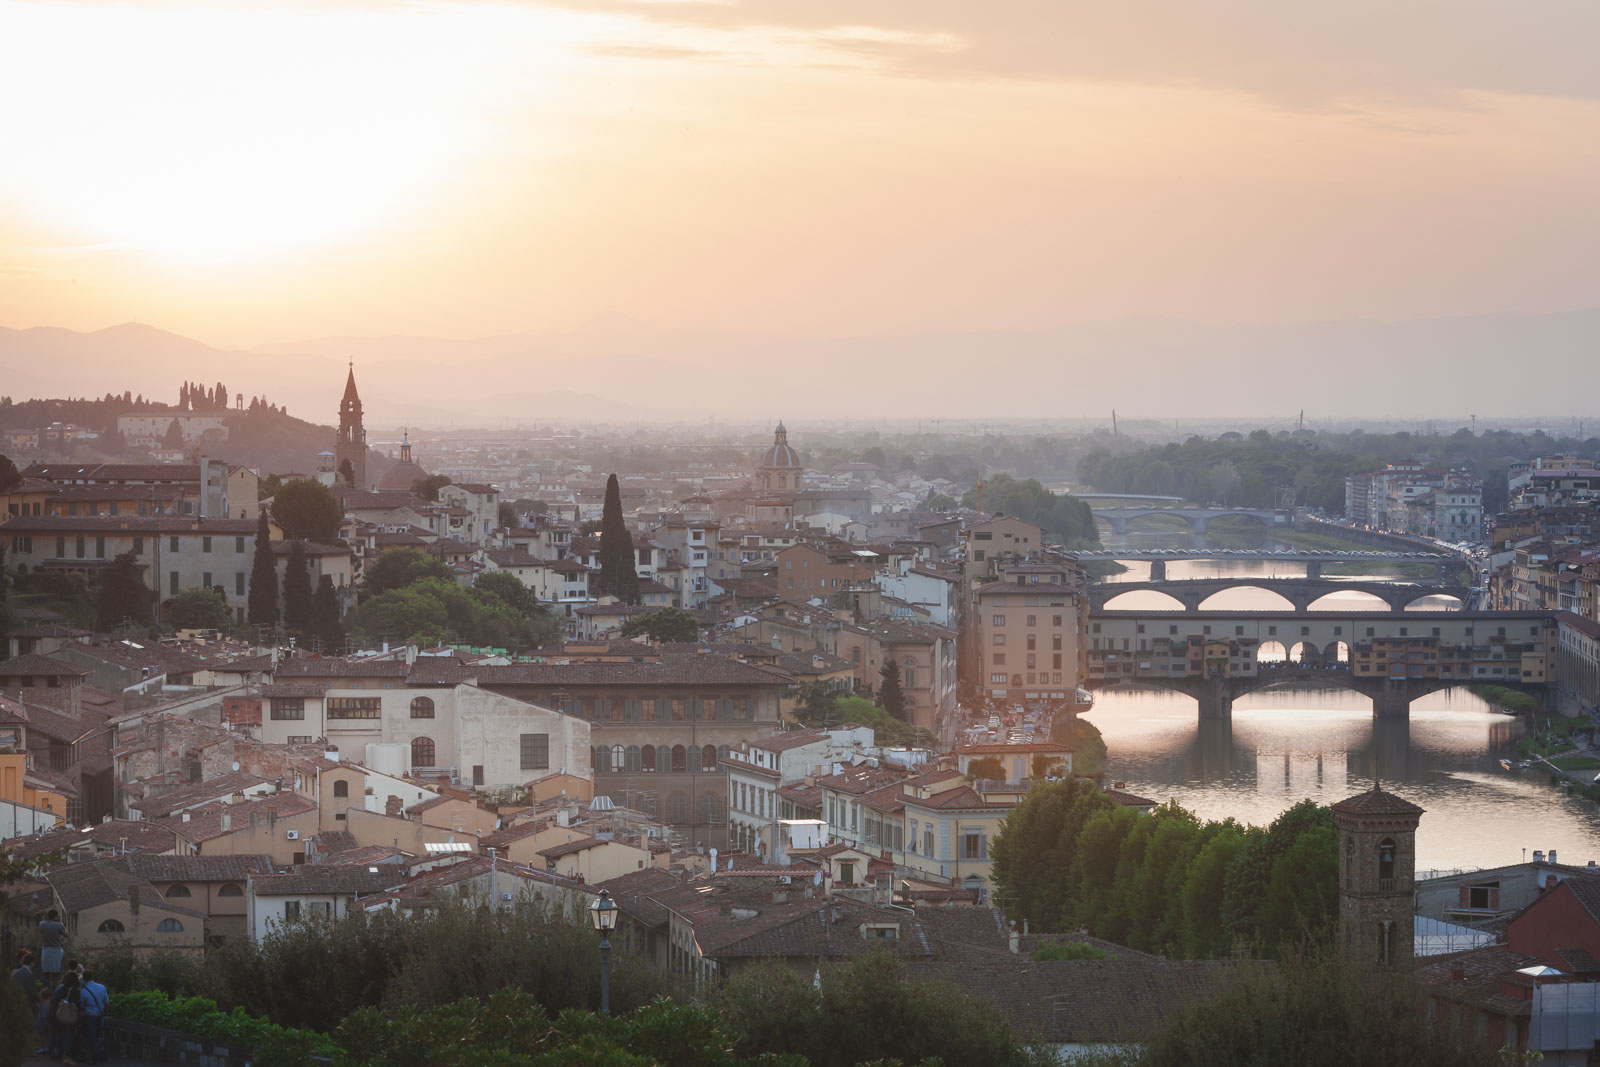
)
(325, 627)
(10, 477)
(890, 694)
(347, 471)
(297, 590)
(307, 511)
(617, 577)
(121, 595)
(263, 603)
(173, 438)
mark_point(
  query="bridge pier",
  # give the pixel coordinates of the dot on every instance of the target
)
(1314, 569)
(1392, 700)
(1216, 698)
(1158, 570)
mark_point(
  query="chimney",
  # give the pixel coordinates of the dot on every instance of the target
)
(1016, 941)
(1538, 855)
(1552, 855)
(185, 816)
(227, 821)
(133, 898)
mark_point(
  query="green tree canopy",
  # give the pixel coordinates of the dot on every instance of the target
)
(199, 609)
(10, 477)
(263, 604)
(307, 511)
(666, 624)
(434, 611)
(324, 626)
(121, 595)
(890, 695)
(509, 588)
(399, 567)
(297, 589)
(617, 576)
(428, 488)
(1062, 516)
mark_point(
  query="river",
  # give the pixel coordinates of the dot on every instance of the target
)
(1290, 744)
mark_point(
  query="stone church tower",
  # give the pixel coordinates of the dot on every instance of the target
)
(1377, 872)
(350, 446)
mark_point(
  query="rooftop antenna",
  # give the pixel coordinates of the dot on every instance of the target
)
(1113, 422)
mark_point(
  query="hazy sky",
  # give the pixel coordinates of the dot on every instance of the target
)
(246, 173)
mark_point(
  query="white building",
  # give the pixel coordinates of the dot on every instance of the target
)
(758, 769)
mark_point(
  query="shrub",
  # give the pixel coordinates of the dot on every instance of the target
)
(1055, 951)
(200, 1017)
(16, 1025)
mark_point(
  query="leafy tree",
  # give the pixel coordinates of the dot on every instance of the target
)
(437, 611)
(1033, 853)
(10, 477)
(1249, 874)
(1062, 516)
(121, 595)
(428, 488)
(617, 575)
(890, 695)
(988, 767)
(1302, 899)
(307, 511)
(1200, 899)
(174, 435)
(347, 471)
(325, 627)
(524, 506)
(940, 502)
(508, 515)
(263, 604)
(199, 609)
(297, 589)
(509, 588)
(400, 567)
(667, 624)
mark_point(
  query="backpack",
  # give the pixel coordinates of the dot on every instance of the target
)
(66, 1012)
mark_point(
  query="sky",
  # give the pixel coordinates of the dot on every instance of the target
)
(258, 173)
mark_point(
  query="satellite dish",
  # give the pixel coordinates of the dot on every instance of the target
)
(235, 764)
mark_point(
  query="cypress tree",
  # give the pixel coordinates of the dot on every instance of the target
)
(297, 590)
(325, 626)
(890, 696)
(617, 576)
(263, 610)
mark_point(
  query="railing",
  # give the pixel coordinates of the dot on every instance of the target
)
(1386, 885)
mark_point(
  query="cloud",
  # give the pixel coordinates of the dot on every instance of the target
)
(1299, 55)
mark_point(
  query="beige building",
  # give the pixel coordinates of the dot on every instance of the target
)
(104, 906)
(1028, 630)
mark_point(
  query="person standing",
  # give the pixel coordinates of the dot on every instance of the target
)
(26, 980)
(64, 1014)
(96, 999)
(53, 939)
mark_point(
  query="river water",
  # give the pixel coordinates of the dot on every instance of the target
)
(1290, 744)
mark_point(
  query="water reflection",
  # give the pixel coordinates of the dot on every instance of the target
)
(1287, 745)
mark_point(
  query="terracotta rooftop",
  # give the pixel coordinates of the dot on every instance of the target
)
(1376, 801)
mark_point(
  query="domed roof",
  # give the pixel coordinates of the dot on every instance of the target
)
(401, 475)
(780, 456)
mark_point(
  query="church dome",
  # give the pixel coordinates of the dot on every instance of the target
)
(780, 456)
(401, 475)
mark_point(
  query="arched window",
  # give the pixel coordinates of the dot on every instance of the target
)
(647, 804)
(633, 758)
(422, 754)
(647, 758)
(602, 757)
(677, 809)
(169, 926)
(177, 892)
(1385, 862)
(708, 757)
(422, 707)
(341, 788)
(111, 926)
(722, 752)
(230, 890)
(708, 809)
(694, 760)
(619, 758)
(678, 758)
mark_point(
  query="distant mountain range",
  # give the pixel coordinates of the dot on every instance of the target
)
(618, 371)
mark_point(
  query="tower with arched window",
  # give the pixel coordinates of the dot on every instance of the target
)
(1377, 871)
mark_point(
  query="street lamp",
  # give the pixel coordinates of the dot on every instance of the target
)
(604, 913)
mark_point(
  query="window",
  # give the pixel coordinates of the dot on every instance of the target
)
(291, 910)
(680, 758)
(422, 752)
(177, 892)
(172, 543)
(679, 710)
(1033, 643)
(205, 544)
(238, 584)
(677, 809)
(708, 810)
(708, 757)
(288, 708)
(341, 788)
(647, 758)
(357, 708)
(997, 678)
(238, 544)
(999, 620)
(927, 843)
(205, 579)
(169, 926)
(535, 752)
(708, 709)
(319, 909)
(999, 659)
(999, 639)
(172, 582)
(422, 708)
(973, 846)
(692, 755)
(647, 709)
(632, 758)
(111, 926)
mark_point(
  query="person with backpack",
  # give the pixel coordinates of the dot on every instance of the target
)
(96, 999)
(64, 1014)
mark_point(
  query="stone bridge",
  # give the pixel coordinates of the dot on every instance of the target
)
(1299, 592)
(1443, 563)
(1196, 518)
(1391, 697)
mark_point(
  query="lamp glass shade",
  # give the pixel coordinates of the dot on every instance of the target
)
(604, 912)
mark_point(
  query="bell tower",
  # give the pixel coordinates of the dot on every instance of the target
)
(350, 446)
(1377, 873)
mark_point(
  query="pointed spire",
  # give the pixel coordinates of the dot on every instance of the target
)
(350, 384)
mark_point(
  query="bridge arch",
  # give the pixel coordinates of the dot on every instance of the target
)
(1227, 599)
(1336, 652)
(1272, 652)
(1435, 601)
(1144, 600)
(1349, 600)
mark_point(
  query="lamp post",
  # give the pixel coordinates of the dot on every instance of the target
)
(604, 913)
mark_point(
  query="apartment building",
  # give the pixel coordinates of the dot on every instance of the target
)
(1028, 629)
